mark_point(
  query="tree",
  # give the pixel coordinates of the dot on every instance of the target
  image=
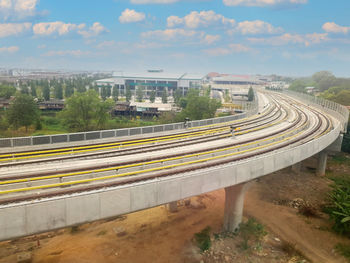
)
(58, 91)
(104, 92)
(46, 92)
(85, 111)
(128, 93)
(23, 112)
(25, 90)
(108, 91)
(165, 96)
(69, 90)
(250, 94)
(177, 95)
(33, 91)
(324, 80)
(152, 96)
(139, 93)
(198, 107)
(7, 91)
(115, 93)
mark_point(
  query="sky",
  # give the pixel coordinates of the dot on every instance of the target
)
(285, 37)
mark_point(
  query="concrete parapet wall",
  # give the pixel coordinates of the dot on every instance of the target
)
(39, 216)
(6, 143)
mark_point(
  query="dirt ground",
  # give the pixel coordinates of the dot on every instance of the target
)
(156, 235)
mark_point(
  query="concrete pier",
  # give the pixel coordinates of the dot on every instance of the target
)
(321, 163)
(234, 202)
(172, 206)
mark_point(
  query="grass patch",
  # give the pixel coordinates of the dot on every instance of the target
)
(101, 233)
(203, 239)
(251, 232)
(344, 250)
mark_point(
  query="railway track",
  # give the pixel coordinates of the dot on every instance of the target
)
(303, 125)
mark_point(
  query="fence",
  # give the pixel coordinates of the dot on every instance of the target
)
(105, 134)
(340, 111)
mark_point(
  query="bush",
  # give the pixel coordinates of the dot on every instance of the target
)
(251, 230)
(343, 250)
(339, 208)
(203, 239)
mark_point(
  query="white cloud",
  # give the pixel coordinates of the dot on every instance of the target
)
(262, 3)
(18, 9)
(96, 29)
(12, 49)
(62, 53)
(169, 34)
(200, 19)
(153, 1)
(60, 28)
(257, 27)
(285, 39)
(53, 28)
(230, 49)
(210, 39)
(131, 16)
(332, 27)
(13, 29)
(180, 34)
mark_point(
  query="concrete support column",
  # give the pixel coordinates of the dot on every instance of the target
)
(172, 207)
(296, 167)
(234, 201)
(321, 163)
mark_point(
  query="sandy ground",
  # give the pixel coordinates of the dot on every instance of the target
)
(156, 235)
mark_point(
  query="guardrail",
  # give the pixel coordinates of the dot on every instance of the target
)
(115, 133)
(333, 108)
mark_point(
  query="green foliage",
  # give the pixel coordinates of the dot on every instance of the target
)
(46, 92)
(177, 96)
(23, 112)
(7, 91)
(25, 90)
(85, 111)
(299, 85)
(108, 91)
(128, 93)
(198, 107)
(339, 208)
(139, 93)
(165, 96)
(103, 92)
(58, 90)
(324, 80)
(115, 93)
(344, 250)
(203, 239)
(69, 91)
(33, 91)
(251, 231)
(152, 96)
(250, 94)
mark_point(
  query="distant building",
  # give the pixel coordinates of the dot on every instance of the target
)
(141, 108)
(311, 89)
(51, 105)
(228, 81)
(152, 80)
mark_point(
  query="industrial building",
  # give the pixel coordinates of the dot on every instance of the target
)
(156, 80)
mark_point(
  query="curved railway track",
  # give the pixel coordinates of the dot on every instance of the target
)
(305, 125)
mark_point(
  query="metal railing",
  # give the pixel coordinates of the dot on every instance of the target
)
(116, 133)
(335, 109)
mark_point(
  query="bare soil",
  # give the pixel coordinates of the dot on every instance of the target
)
(156, 235)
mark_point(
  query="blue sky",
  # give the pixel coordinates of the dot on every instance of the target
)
(287, 37)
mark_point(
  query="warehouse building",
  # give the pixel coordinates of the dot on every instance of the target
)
(156, 80)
